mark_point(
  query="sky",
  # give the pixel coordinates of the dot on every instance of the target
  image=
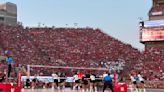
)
(117, 18)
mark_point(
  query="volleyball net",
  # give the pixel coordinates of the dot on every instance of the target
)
(45, 72)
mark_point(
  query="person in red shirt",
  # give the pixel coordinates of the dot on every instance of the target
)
(81, 75)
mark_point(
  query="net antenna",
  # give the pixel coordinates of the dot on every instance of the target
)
(63, 67)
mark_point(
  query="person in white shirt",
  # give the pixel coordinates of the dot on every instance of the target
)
(140, 78)
(93, 82)
(134, 83)
(141, 82)
(55, 80)
(105, 74)
(76, 81)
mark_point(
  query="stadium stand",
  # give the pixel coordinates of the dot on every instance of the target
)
(77, 47)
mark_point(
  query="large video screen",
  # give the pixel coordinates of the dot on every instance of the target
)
(152, 34)
(154, 23)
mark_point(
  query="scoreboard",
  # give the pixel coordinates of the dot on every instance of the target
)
(153, 23)
(152, 34)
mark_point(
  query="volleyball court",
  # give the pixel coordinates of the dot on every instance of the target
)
(40, 78)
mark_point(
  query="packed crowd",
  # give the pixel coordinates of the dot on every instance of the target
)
(76, 47)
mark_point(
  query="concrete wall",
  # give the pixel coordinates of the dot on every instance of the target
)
(159, 44)
(8, 12)
(156, 17)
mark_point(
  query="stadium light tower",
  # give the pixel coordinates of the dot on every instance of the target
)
(66, 25)
(75, 25)
(140, 18)
(39, 24)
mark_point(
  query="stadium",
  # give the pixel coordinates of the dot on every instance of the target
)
(32, 58)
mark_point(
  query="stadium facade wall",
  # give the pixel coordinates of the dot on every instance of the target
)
(8, 14)
(156, 17)
(159, 44)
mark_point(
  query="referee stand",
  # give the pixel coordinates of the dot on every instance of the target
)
(6, 86)
(119, 87)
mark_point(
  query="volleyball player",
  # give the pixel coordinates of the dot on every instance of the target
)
(85, 83)
(55, 80)
(93, 82)
(76, 81)
(62, 80)
(141, 82)
(34, 81)
(134, 82)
